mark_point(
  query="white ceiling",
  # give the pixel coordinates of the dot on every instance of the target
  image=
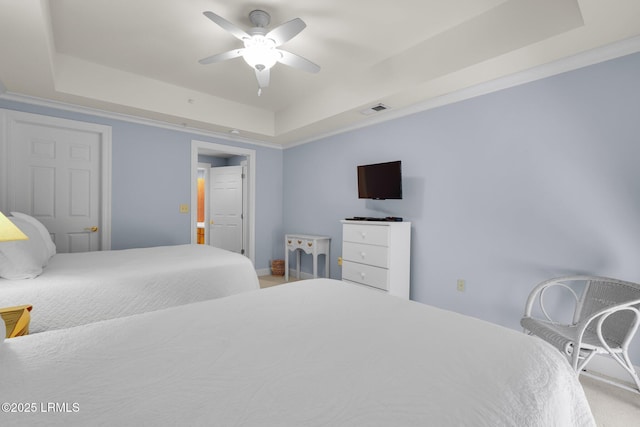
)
(140, 57)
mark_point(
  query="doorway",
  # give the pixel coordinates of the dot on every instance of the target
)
(221, 203)
(229, 221)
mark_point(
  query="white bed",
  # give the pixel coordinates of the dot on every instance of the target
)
(79, 288)
(310, 353)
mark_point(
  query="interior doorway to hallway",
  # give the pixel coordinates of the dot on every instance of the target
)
(221, 203)
(223, 197)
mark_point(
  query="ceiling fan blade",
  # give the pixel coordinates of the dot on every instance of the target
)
(235, 31)
(286, 31)
(263, 77)
(296, 61)
(219, 57)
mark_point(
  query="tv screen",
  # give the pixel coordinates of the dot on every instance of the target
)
(380, 181)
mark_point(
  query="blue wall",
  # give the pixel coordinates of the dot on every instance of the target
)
(503, 190)
(151, 178)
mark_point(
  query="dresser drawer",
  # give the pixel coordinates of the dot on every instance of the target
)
(300, 243)
(370, 234)
(366, 254)
(365, 274)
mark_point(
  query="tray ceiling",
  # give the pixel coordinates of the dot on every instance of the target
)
(141, 57)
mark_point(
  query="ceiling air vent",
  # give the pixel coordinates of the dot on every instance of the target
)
(375, 109)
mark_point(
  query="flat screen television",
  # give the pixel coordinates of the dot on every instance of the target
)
(380, 181)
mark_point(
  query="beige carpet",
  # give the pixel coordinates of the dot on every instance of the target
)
(611, 406)
(268, 281)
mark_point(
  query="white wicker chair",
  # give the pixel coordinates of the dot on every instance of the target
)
(605, 319)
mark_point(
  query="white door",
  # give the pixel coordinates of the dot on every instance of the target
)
(54, 175)
(225, 208)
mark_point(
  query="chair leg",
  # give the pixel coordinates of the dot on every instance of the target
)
(621, 357)
(575, 357)
(586, 359)
(578, 357)
(625, 362)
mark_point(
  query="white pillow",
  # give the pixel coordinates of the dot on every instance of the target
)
(44, 233)
(23, 259)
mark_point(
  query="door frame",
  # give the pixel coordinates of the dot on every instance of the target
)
(206, 168)
(9, 119)
(212, 149)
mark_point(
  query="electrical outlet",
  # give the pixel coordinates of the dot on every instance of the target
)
(184, 208)
(461, 285)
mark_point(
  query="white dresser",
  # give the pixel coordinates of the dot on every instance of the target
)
(377, 254)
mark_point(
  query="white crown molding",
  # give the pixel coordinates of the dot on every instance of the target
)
(574, 62)
(31, 100)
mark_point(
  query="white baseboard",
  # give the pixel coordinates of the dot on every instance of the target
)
(263, 272)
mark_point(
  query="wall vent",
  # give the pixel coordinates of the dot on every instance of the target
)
(375, 109)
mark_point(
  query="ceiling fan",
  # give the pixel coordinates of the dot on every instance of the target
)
(260, 46)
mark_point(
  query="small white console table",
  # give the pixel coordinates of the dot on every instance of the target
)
(314, 245)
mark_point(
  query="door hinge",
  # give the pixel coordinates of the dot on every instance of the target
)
(242, 251)
(244, 176)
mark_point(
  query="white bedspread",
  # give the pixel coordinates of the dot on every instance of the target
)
(81, 288)
(310, 353)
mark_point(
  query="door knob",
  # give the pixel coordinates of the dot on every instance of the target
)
(91, 229)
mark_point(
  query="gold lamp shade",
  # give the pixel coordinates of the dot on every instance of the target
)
(8, 231)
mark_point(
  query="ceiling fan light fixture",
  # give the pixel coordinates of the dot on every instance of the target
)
(260, 44)
(260, 52)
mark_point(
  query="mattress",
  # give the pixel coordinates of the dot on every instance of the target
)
(80, 288)
(310, 353)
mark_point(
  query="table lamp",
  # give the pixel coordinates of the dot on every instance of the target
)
(8, 231)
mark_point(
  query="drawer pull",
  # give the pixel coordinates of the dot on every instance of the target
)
(309, 244)
(363, 234)
(363, 255)
(362, 274)
(299, 241)
(289, 241)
